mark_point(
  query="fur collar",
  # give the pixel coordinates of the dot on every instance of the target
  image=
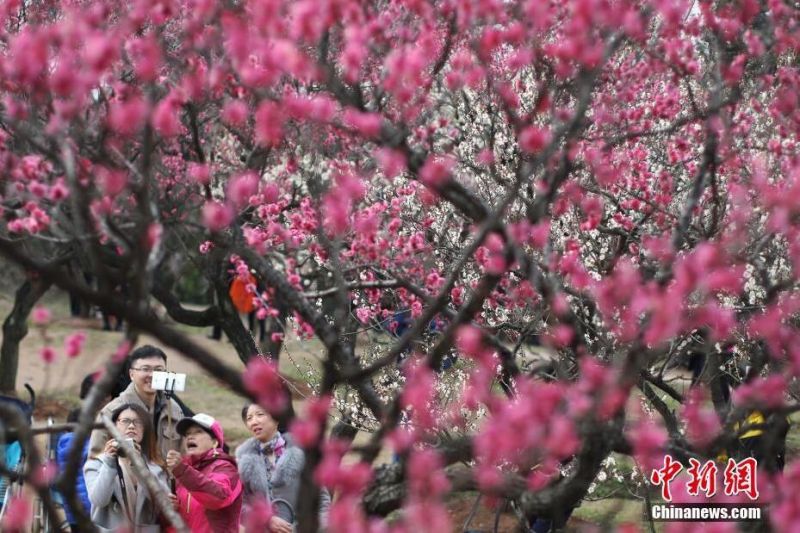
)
(252, 470)
(252, 446)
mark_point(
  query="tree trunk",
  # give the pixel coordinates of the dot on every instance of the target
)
(275, 325)
(15, 328)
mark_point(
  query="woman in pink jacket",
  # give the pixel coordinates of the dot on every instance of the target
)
(209, 492)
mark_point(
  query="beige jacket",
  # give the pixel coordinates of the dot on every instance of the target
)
(105, 495)
(166, 434)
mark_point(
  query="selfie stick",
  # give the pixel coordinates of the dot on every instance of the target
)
(168, 392)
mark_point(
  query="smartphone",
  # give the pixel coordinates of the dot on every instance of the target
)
(121, 450)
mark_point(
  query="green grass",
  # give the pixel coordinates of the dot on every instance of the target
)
(610, 511)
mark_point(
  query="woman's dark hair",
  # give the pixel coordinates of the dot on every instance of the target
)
(86, 385)
(73, 416)
(123, 379)
(149, 443)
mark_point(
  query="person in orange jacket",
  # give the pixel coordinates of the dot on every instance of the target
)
(242, 300)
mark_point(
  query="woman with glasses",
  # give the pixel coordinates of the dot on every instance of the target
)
(119, 499)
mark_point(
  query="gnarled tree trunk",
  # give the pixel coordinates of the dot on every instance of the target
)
(15, 328)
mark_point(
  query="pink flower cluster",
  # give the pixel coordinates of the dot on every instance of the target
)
(537, 425)
(785, 514)
(18, 515)
(339, 200)
(257, 516)
(262, 380)
(427, 484)
(307, 430)
(700, 276)
(41, 316)
(702, 423)
(418, 397)
(73, 344)
(349, 480)
(648, 440)
(766, 393)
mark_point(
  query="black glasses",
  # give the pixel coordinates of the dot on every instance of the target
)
(126, 422)
(150, 369)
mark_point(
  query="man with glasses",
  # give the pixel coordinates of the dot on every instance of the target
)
(143, 362)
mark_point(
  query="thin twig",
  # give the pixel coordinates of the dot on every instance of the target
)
(140, 468)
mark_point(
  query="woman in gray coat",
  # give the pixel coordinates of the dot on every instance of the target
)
(118, 498)
(270, 465)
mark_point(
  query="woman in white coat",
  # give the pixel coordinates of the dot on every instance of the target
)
(118, 498)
